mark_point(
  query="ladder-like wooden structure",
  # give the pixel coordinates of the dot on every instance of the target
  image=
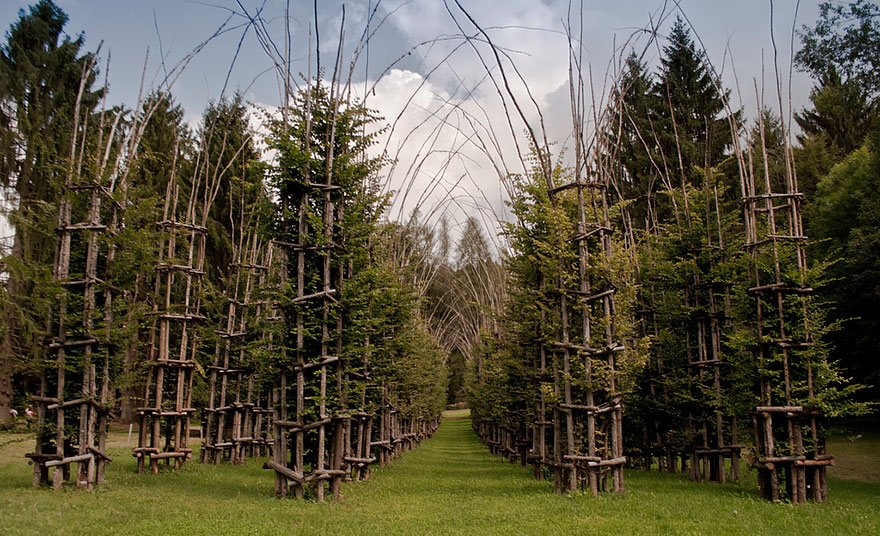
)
(165, 420)
(237, 417)
(309, 427)
(790, 451)
(715, 452)
(587, 432)
(76, 394)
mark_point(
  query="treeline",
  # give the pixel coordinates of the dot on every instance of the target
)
(57, 132)
(689, 187)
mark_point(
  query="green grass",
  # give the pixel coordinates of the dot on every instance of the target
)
(450, 485)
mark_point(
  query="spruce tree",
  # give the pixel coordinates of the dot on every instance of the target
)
(692, 127)
(41, 69)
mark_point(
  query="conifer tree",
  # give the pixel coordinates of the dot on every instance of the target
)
(693, 129)
(41, 69)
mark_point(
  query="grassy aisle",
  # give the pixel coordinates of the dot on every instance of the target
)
(450, 485)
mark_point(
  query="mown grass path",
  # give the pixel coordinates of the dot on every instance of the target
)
(449, 485)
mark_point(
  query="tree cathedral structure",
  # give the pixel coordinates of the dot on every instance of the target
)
(790, 449)
(238, 416)
(165, 419)
(73, 405)
(587, 431)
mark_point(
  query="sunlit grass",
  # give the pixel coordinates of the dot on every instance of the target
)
(450, 485)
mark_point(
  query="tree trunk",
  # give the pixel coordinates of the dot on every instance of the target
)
(6, 371)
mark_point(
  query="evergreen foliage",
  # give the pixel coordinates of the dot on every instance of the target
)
(41, 70)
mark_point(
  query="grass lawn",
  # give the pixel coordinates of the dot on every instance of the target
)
(450, 485)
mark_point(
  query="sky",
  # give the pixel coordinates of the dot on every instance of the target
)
(446, 127)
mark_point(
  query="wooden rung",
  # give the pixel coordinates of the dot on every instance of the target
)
(787, 238)
(181, 225)
(780, 459)
(813, 463)
(174, 364)
(78, 282)
(588, 296)
(73, 343)
(588, 234)
(750, 198)
(100, 454)
(69, 460)
(184, 317)
(285, 471)
(704, 363)
(571, 346)
(84, 226)
(248, 266)
(233, 335)
(321, 186)
(560, 465)
(285, 424)
(790, 343)
(595, 410)
(708, 451)
(306, 247)
(82, 186)
(325, 360)
(781, 287)
(779, 409)
(330, 472)
(181, 413)
(167, 455)
(293, 427)
(72, 403)
(352, 459)
(577, 458)
(328, 294)
(166, 266)
(608, 463)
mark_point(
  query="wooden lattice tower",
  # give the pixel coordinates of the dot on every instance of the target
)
(76, 396)
(237, 416)
(360, 445)
(538, 454)
(309, 449)
(657, 444)
(790, 452)
(588, 433)
(165, 419)
(714, 453)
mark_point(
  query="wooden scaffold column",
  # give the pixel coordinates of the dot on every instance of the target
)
(74, 402)
(588, 433)
(165, 419)
(310, 448)
(790, 451)
(236, 418)
(542, 425)
(714, 453)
